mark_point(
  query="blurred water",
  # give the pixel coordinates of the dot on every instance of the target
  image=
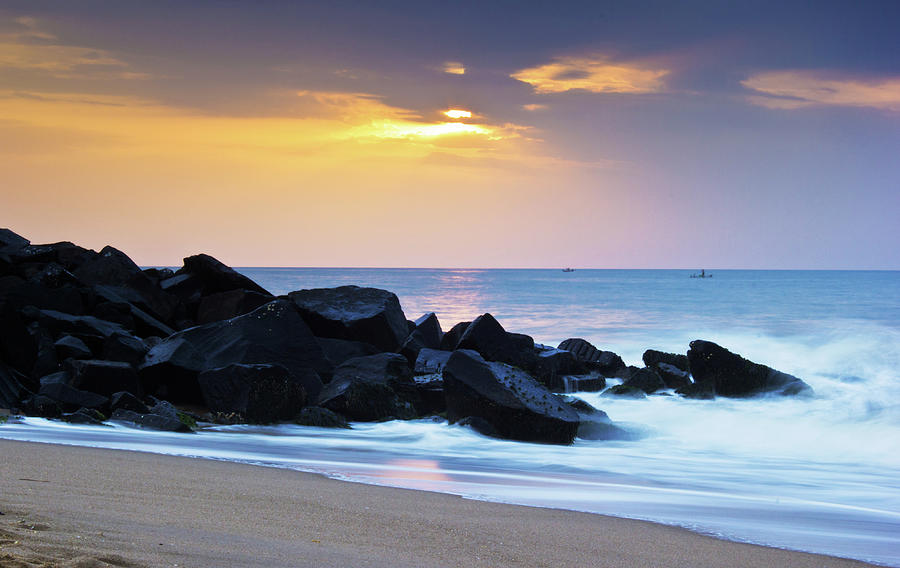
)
(816, 474)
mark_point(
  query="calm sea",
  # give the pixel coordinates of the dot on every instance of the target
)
(820, 474)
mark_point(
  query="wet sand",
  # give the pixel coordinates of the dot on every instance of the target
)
(83, 507)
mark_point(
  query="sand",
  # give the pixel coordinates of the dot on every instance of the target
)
(69, 506)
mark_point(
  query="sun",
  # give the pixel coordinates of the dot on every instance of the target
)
(458, 113)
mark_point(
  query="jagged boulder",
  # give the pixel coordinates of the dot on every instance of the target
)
(552, 365)
(271, 334)
(228, 304)
(370, 388)
(261, 394)
(731, 375)
(71, 347)
(213, 277)
(151, 421)
(11, 242)
(124, 348)
(653, 358)
(486, 336)
(104, 377)
(11, 388)
(645, 379)
(430, 331)
(339, 350)
(605, 362)
(126, 401)
(672, 376)
(369, 315)
(624, 391)
(450, 340)
(594, 424)
(431, 361)
(71, 399)
(514, 404)
(320, 417)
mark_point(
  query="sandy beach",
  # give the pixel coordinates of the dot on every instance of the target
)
(83, 507)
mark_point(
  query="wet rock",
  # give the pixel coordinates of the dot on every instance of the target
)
(40, 405)
(226, 305)
(142, 307)
(370, 388)
(430, 391)
(84, 416)
(151, 421)
(624, 391)
(126, 401)
(213, 277)
(262, 394)
(321, 418)
(11, 387)
(339, 350)
(431, 361)
(11, 242)
(605, 362)
(486, 336)
(124, 348)
(699, 391)
(674, 377)
(46, 360)
(369, 315)
(429, 328)
(594, 424)
(70, 398)
(592, 382)
(68, 346)
(652, 358)
(104, 377)
(516, 405)
(552, 365)
(645, 379)
(451, 339)
(59, 323)
(733, 376)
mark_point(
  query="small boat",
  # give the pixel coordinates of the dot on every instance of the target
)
(702, 274)
(568, 270)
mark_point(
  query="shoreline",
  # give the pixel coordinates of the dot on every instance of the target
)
(78, 506)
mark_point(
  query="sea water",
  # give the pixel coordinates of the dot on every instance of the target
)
(820, 474)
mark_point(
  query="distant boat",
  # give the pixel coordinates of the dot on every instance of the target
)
(702, 274)
(568, 270)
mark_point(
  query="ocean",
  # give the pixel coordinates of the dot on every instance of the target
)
(818, 474)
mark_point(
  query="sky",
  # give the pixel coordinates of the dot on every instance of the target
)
(602, 134)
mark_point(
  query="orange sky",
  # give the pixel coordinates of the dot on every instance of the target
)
(569, 157)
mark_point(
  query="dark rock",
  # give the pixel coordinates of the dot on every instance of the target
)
(321, 418)
(262, 394)
(606, 362)
(69, 255)
(126, 401)
(271, 334)
(59, 323)
(215, 277)
(411, 347)
(11, 242)
(151, 421)
(46, 361)
(57, 377)
(624, 391)
(645, 379)
(674, 377)
(124, 348)
(699, 391)
(226, 305)
(40, 405)
(369, 315)
(116, 312)
(431, 361)
(551, 365)
(367, 388)
(486, 336)
(68, 346)
(339, 350)
(110, 266)
(11, 388)
(157, 275)
(451, 339)
(480, 425)
(104, 377)
(652, 358)
(50, 275)
(430, 394)
(733, 376)
(594, 424)
(592, 382)
(142, 307)
(430, 329)
(70, 398)
(17, 345)
(84, 416)
(16, 293)
(511, 401)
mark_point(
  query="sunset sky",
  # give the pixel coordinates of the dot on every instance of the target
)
(627, 134)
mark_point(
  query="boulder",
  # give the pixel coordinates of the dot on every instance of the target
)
(388, 368)
(451, 339)
(66, 254)
(17, 346)
(11, 242)
(124, 348)
(262, 394)
(514, 404)
(369, 315)
(339, 350)
(59, 323)
(645, 379)
(213, 277)
(40, 405)
(731, 375)
(592, 382)
(70, 398)
(652, 358)
(11, 388)
(147, 309)
(486, 336)
(699, 391)
(431, 361)
(271, 334)
(228, 304)
(429, 328)
(71, 347)
(109, 266)
(430, 394)
(594, 424)
(672, 376)
(126, 401)
(16, 293)
(104, 377)
(85, 416)
(151, 421)
(625, 391)
(370, 388)
(411, 346)
(320, 417)
(605, 362)
(46, 361)
(552, 365)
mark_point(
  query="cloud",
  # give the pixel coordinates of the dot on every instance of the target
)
(29, 47)
(595, 74)
(799, 89)
(533, 107)
(454, 68)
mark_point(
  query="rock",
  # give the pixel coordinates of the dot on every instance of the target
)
(59, 323)
(551, 365)
(369, 315)
(430, 329)
(430, 394)
(431, 361)
(486, 336)
(142, 305)
(411, 347)
(40, 405)
(17, 346)
(262, 394)
(451, 339)
(214, 277)
(71, 399)
(66, 254)
(652, 358)
(71, 347)
(110, 266)
(11, 388)
(124, 348)
(16, 293)
(115, 311)
(511, 401)
(672, 376)
(592, 382)
(645, 379)
(46, 361)
(699, 391)
(11, 242)
(606, 362)
(480, 425)
(104, 377)
(594, 424)
(226, 305)
(271, 334)
(126, 401)
(624, 391)
(368, 388)
(151, 421)
(733, 376)
(339, 350)
(84, 416)
(321, 418)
